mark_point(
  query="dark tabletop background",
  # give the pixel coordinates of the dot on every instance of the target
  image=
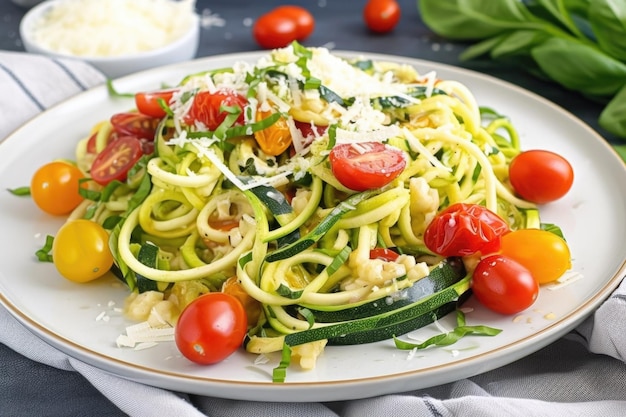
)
(43, 390)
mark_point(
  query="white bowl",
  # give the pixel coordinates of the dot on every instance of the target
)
(182, 49)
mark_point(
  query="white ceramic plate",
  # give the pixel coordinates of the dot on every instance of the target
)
(592, 216)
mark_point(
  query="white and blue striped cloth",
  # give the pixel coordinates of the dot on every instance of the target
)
(29, 84)
(582, 374)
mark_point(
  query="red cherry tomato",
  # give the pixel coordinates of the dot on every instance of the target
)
(366, 166)
(207, 108)
(134, 124)
(464, 229)
(275, 30)
(114, 162)
(92, 146)
(384, 254)
(148, 102)
(504, 285)
(381, 15)
(305, 22)
(540, 176)
(308, 130)
(211, 328)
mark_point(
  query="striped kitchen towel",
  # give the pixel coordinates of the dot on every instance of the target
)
(34, 83)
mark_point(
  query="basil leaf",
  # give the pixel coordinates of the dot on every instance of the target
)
(20, 191)
(613, 117)
(519, 42)
(580, 67)
(608, 22)
(476, 19)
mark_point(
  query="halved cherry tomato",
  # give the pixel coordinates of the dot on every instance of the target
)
(305, 22)
(366, 166)
(207, 108)
(274, 30)
(114, 162)
(211, 328)
(543, 253)
(135, 124)
(309, 130)
(148, 102)
(384, 254)
(274, 139)
(463, 229)
(224, 225)
(251, 306)
(540, 176)
(54, 187)
(80, 251)
(381, 15)
(504, 285)
(91, 143)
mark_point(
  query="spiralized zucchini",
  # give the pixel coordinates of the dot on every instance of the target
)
(218, 206)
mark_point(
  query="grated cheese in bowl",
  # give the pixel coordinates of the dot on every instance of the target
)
(116, 36)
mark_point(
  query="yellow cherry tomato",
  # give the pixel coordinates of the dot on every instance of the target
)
(54, 188)
(274, 139)
(81, 251)
(543, 253)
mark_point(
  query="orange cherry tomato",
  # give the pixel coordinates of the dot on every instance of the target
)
(250, 305)
(545, 254)
(114, 162)
(54, 188)
(381, 16)
(540, 176)
(274, 139)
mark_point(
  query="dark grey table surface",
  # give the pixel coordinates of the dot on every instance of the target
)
(49, 391)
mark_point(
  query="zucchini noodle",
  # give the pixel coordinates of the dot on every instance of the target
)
(223, 201)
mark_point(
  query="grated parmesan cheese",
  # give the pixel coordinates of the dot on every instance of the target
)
(142, 335)
(101, 28)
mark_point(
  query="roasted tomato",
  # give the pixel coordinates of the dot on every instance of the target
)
(209, 108)
(464, 229)
(274, 139)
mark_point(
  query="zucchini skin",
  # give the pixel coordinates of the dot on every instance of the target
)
(447, 273)
(374, 326)
(395, 329)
